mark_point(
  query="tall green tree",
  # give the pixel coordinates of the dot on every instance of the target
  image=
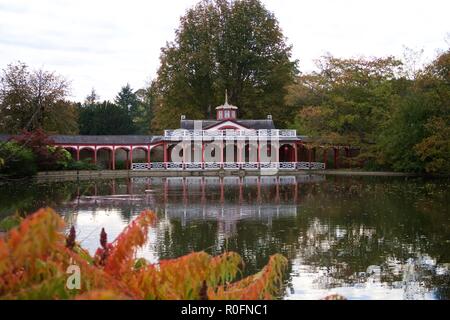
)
(103, 118)
(145, 112)
(220, 45)
(32, 99)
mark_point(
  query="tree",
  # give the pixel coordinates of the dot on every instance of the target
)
(220, 45)
(145, 112)
(415, 137)
(103, 118)
(34, 99)
(346, 101)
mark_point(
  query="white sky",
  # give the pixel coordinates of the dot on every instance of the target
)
(105, 44)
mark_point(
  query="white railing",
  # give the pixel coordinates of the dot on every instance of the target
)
(140, 166)
(212, 166)
(268, 165)
(249, 166)
(228, 166)
(180, 134)
(287, 165)
(157, 165)
(311, 166)
(193, 166)
(174, 166)
(231, 166)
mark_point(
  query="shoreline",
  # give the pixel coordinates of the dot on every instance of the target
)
(111, 174)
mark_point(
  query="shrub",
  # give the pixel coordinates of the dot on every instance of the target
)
(18, 161)
(34, 258)
(47, 156)
(85, 164)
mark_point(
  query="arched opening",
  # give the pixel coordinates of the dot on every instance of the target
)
(287, 153)
(157, 153)
(104, 158)
(140, 155)
(122, 157)
(302, 153)
(87, 154)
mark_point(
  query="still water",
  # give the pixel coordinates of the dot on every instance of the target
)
(363, 238)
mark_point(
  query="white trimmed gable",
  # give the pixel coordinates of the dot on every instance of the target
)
(227, 125)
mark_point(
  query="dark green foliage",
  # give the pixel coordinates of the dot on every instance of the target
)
(85, 164)
(19, 161)
(104, 118)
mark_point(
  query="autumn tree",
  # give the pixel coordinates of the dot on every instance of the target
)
(416, 135)
(346, 101)
(31, 99)
(220, 45)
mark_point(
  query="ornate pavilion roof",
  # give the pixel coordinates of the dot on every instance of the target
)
(251, 124)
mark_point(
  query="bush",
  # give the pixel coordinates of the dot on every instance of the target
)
(18, 161)
(47, 157)
(85, 164)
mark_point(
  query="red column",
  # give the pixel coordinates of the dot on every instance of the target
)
(203, 154)
(95, 155)
(325, 156)
(148, 155)
(165, 152)
(131, 157)
(296, 153)
(309, 155)
(258, 159)
(113, 158)
(78, 153)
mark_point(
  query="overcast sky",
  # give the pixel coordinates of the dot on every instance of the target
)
(105, 44)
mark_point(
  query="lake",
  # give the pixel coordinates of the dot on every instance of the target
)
(361, 237)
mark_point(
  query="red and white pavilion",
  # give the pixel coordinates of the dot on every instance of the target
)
(226, 143)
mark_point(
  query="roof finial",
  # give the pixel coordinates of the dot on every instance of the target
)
(226, 97)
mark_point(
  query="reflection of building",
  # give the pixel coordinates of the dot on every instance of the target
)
(225, 143)
(226, 200)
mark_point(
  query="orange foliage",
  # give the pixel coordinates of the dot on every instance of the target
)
(35, 256)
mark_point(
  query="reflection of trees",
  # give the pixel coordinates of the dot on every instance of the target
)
(352, 230)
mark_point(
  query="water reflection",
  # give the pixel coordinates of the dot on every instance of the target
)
(364, 238)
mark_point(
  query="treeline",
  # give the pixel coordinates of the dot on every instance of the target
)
(39, 99)
(396, 112)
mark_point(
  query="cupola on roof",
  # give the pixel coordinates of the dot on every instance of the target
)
(226, 111)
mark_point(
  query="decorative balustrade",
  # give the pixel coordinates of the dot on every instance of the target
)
(174, 166)
(250, 166)
(193, 134)
(231, 166)
(212, 166)
(193, 166)
(311, 166)
(287, 166)
(140, 166)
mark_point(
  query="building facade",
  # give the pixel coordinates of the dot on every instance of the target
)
(226, 143)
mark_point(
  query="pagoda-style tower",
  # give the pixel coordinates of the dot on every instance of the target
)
(226, 111)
